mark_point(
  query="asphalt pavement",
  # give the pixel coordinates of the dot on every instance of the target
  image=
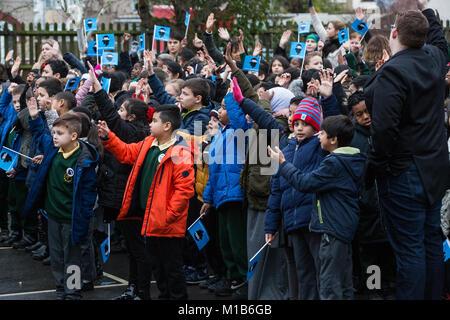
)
(22, 278)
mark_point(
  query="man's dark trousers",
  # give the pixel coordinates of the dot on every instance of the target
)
(412, 226)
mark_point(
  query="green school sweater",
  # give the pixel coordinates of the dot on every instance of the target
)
(151, 162)
(59, 195)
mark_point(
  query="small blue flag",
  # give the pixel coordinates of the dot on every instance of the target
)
(446, 250)
(106, 83)
(92, 50)
(213, 79)
(187, 19)
(105, 249)
(106, 41)
(251, 63)
(252, 265)
(198, 232)
(304, 27)
(90, 24)
(344, 36)
(110, 58)
(162, 33)
(141, 42)
(8, 159)
(72, 83)
(298, 50)
(360, 26)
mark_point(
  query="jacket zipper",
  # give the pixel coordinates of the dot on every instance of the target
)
(151, 200)
(319, 210)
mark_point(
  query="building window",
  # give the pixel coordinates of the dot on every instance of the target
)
(134, 4)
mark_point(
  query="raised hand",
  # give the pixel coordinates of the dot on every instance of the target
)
(9, 56)
(94, 80)
(422, 4)
(228, 60)
(197, 42)
(148, 61)
(33, 108)
(223, 33)
(237, 93)
(359, 13)
(326, 84)
(210, 22)
(285, 79)
(258, 48)
(16, 66)
(341, 76)
(11, 87)
(103, 130)
(266, 95)
(285, 38)
(184, 43)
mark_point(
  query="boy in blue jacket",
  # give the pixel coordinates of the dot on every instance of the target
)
(65, 186)
(336, 185)
(223, 191)
(304, 153)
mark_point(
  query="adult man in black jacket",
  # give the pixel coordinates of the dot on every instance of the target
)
(409, 156)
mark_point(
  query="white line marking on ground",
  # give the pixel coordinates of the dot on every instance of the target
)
(122, 283)
(2, 248)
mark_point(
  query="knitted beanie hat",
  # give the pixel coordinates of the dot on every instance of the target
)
(314, 37)
(214, 113)
(309, 111)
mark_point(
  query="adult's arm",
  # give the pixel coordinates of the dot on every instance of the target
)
(435, 36)
(73, 61)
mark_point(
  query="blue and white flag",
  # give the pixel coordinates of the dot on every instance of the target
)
(360, 26)
(251, 63)
(344, 36)
(106, 41)
(106, 83)
(198, 232)
(298, 50)
(8, 159)
(90, 24)
(446, 250)
(110, 58)
(141, 42)
(92, 50)
(187, 19)
(304, 27)
(105, 246)
(162, 33)
(72, 83)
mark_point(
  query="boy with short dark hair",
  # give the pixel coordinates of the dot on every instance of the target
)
(65, 186)
(159, 186)
(63, 102)
(194, 100)
(336, 184)
(55, 68)
(174, 45)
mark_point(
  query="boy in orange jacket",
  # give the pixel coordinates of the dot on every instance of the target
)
(160, 184)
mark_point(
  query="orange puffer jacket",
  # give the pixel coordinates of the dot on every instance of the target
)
(172, 187)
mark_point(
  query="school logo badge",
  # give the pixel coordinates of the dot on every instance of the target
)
(161, 156)
(68, 176)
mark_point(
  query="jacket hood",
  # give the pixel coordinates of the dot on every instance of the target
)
(352, 160)
(89, 154)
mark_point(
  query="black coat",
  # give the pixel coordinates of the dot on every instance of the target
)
(114, 175)
(405, 98)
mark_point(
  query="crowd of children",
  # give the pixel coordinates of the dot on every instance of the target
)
(318, 158)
